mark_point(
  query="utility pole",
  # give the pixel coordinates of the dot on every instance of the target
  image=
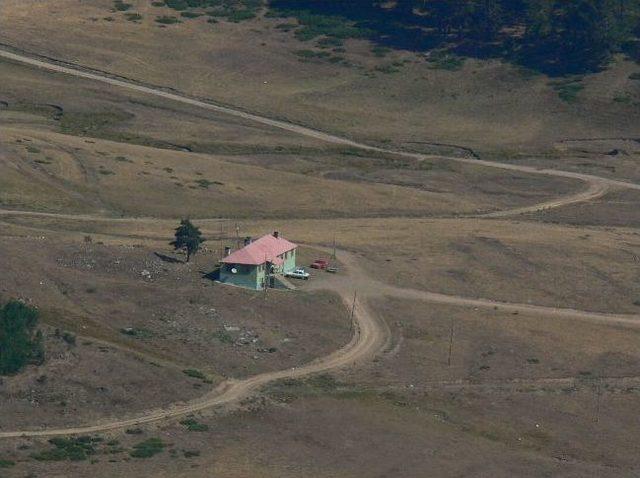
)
(353, 311)
(596, 418)
(450, 343)
(334, 248)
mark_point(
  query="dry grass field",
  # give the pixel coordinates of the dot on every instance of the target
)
(53, 161)
(486, 105)
(95, 178)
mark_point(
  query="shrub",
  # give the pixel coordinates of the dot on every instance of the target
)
(380, 51)
(121, 6)
(330, 42)
(568, 89)
(148, 448)
(73, 449)
(205, 183)
(166, 20)
(314, 25)
(445, 61)
(324, 382)
(177, 4)
(9, 463)
(224, 337)
(20, 341)
(194, 426)
(194, 373)
(286, 27)
(69, 338)
(387, 69)
(623, 97)
(238, 16)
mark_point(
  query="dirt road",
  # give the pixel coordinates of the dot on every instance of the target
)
(370, 336)
(82, 72)
(370, 332)
(595, 189)
(370, 287)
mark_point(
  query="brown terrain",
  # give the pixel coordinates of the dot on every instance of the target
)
(485, 315)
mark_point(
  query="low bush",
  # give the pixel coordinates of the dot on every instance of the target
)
(568, 89)
(194, 373)
(190, 14)
(380, 51)
(133, 17)
(72, 449)
(445, 61)
(148, 448)
(166, 20)
(194, 426)
(387, 69)
(121, 6)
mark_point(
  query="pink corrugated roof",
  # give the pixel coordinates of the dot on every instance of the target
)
(267, 248)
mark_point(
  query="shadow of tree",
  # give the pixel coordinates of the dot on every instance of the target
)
(169, 259)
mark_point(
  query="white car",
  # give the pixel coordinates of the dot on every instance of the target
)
(298, 274)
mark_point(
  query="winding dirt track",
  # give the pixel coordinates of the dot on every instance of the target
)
(370, 336)
(595, 189)
(82, 72)
(370, 332)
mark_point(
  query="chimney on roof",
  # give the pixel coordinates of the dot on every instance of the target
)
(227, 251)
(247, 240)
(276, 234)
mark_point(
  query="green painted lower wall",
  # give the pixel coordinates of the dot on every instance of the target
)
(251, 277)
(289, 261)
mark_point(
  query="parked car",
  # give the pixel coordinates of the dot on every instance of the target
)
(298, 274)
(333, 270)
(320, 264)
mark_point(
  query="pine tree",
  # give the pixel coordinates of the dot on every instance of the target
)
(187, 238)
(20, 342)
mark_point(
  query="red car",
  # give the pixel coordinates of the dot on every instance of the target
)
(320, 264)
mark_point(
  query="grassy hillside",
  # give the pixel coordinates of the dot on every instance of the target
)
(394, 96)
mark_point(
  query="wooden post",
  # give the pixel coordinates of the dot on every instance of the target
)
(353, 311)
(596, 418)
(334, 247)
(450, 344)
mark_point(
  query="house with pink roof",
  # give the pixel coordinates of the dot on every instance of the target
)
(257, 261)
